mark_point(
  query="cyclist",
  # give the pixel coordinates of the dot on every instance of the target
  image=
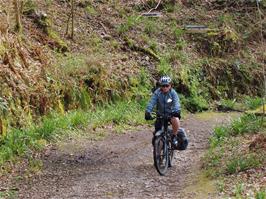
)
(167, 102)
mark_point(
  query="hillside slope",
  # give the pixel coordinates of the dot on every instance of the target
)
(116, 51)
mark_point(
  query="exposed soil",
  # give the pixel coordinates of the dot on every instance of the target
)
(121, 166)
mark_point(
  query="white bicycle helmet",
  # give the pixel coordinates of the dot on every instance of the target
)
(165, 80)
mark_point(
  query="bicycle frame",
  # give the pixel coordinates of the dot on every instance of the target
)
(165, 121)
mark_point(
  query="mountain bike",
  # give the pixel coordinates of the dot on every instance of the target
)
(163, 151)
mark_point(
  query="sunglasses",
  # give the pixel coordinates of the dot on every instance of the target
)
(165, 86)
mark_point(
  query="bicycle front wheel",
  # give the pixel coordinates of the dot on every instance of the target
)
(171, 154)
(161, 155)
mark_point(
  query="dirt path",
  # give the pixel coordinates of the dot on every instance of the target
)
(121, 166)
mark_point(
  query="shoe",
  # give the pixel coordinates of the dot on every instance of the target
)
(175, 141)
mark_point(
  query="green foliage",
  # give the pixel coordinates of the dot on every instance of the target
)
(23, 142)
(220, 133)
(72, 63)
(197, 96)
(60, 44)
(48, 2)
(3, 49)
(243, 163)
(218, 43)
(226, 19)
(169, 7)
(131, 21)
(164, 67)
(178, 35)
(91, 10)
(9, 194)
(221, 185)
(228, 103)
(29, 6)
(261, 194)
(253, 102)
(213, 159)
(140, 85)
(239, 190)
(177, 56)
(90, 82)
(85, 99)
(3, 106)
(195, 103)
(224, 155)
(96, 43)
(153, 45)
(150, 26)
(35, 165)
(248, 123)
(121, 113)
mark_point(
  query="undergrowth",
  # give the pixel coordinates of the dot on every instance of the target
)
(23, 142)
(242, 104)
(248, 123)
(230, 149)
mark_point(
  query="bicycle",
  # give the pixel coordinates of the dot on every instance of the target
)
(163, 151)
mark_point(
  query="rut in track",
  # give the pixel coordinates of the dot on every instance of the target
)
(121, 166)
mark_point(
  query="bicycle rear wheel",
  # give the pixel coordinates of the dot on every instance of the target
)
(160, 155)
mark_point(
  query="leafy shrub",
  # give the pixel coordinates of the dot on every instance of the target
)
(197, 94)
(195, 103)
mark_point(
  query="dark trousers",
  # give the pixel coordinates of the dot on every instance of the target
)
(159, 123)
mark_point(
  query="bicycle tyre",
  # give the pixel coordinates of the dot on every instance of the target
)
(161, 155)
(171, 154)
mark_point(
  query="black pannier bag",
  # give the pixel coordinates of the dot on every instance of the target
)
(182, 139)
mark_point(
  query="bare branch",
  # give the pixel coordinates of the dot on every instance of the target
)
(159, 2)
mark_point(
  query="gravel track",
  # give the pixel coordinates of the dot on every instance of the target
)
(121, 166)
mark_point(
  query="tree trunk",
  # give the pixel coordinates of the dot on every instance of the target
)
(67, 25)
(18, 26)
(72, 18)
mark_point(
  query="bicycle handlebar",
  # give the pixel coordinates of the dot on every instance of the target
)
(160, 116)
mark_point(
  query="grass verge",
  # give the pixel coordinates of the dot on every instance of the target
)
(237, 156)
(23, 142)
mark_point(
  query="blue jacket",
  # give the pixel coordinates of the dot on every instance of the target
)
(165, 102)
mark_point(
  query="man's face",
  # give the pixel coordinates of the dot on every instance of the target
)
(165, 88)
